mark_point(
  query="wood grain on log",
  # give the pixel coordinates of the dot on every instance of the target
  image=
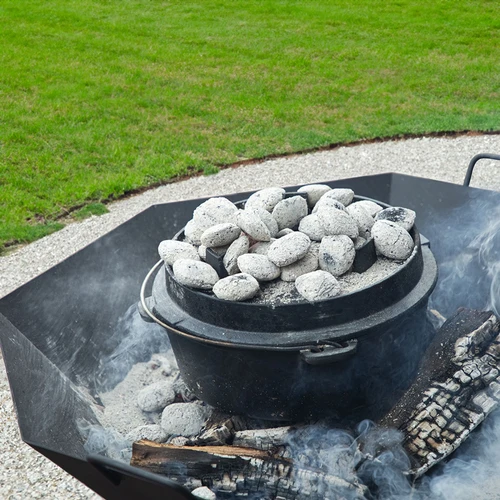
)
(457, 385)
(230, 469)
(263, 439)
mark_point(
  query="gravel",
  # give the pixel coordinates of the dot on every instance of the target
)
(27, 474)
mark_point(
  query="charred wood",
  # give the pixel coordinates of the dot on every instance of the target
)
(241, 470)
(457, 385)
(263, 439)
(220, 429)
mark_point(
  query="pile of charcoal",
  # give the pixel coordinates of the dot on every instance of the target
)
(309, 238)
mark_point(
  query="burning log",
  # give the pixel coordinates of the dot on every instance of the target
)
(457, 386)
(231, 469)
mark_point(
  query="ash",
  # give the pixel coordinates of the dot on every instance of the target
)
(278, 292)
(121, 411)
(381, 270)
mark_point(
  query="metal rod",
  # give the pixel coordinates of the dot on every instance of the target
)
(472, 164)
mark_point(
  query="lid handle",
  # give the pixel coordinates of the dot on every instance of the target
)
(325, 354)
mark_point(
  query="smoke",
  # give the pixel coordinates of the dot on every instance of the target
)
(106, 442)
(139, 341)
(466, 242)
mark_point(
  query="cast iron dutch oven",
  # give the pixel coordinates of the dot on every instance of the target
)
(346, 357)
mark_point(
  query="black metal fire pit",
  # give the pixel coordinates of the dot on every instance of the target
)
(57, 329)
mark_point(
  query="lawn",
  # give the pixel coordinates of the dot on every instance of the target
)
(98, 98)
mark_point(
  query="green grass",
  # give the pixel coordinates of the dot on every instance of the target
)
(89, 210)
(98, 98)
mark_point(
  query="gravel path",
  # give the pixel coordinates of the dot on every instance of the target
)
(26, 474)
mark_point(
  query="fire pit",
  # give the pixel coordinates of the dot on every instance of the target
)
(65, 322)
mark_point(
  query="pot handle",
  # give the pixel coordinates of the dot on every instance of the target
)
(325, 354)
(145, 312)
(146, 304)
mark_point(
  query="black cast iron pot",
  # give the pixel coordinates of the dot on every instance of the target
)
(347, 357)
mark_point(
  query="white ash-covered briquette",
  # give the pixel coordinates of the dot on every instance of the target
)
(267, 219)
(252, 225)
(363, 219)
(403, 217)
(172, 250)
(370, 206)
(195, 274)
(336, 254)
(392, 240)
(156, 396)
(237, 287)
(261, 247)
(314, 192)
(214, 211)
(193, 232)
(317, 285)
(204, 493)
(290, 211)
(258, 266)
(327, 201)
(237, 248)
(312, 226)
(266, 198)
(338, 222)
(284, 232)
(307, 264)
(289, 249)
(220, 235)
(152, 432)
(185, 419)
(344, 195)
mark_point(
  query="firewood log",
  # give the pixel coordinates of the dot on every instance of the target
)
(457, 386)
(230, 469)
